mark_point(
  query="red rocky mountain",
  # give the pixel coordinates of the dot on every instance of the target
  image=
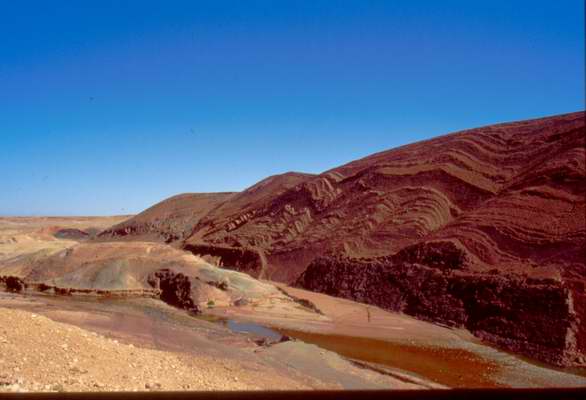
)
(483, 229)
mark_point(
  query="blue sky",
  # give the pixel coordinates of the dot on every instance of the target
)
(107, 107)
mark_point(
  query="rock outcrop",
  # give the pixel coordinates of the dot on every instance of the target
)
(12, 284)
(72, 234)
(244, 260)
(175, 289)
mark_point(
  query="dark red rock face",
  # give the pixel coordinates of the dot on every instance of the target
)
(245, 260)
(484, 228)
(175, 289)
(72, 234)
(12, 283)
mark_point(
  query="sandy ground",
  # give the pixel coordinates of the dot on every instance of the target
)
(27, 235)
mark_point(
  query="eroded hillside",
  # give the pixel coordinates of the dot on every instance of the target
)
(464, 229)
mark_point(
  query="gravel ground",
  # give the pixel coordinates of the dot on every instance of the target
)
(41, 355)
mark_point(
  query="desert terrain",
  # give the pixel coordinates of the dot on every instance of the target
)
(125, 337)
(47, 235)
(453, 262)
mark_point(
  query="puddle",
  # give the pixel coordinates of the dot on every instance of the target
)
(259, 330)
(243, 327)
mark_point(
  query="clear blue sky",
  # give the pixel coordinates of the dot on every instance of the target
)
(107, 107)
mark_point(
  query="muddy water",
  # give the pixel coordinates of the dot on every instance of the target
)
(450, 367)
(446, 366)
(245, 327)
(255, 329)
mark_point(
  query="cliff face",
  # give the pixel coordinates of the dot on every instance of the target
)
(532, 316)
(484, 228)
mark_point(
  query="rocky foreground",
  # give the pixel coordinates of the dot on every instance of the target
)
(38, 354)
(48, 343)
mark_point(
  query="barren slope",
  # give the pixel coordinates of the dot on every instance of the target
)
(142, 269)
(25, 236)
(182, 216)
(169, 220)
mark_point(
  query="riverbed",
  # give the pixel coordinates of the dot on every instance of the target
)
(394, 345)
